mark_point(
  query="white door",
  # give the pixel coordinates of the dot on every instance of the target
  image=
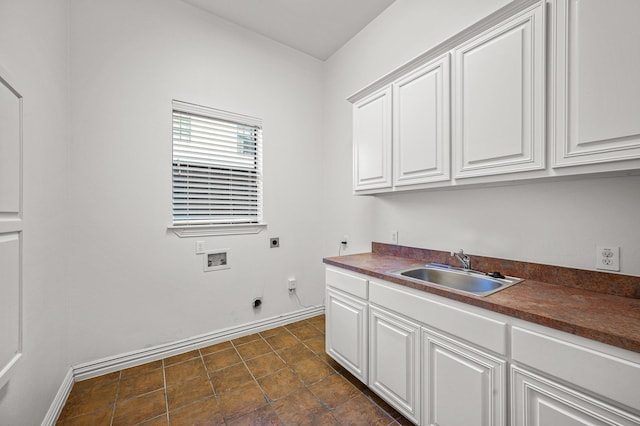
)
(462, 386)
(498, 98)
(393, 361)
(372, 141)
(11, 228)
(596, 81)
(537, 401)
(421, 125)
(346, 332)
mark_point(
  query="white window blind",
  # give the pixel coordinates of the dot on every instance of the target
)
(217, 167)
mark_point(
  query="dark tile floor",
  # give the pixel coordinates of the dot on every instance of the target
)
(280, 376)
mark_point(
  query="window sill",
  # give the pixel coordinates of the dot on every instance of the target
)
(185, 231)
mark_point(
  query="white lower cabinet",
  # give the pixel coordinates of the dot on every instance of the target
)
(444, 363)
(394, 361)
(462, 386)
(539, 401)
(346, 332)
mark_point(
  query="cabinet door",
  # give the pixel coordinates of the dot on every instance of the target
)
(346, 333)
(372, 141)
(595, 87)
(462, 386)
(393, 361)
(537, 401)
(498, 98)
(421, 125)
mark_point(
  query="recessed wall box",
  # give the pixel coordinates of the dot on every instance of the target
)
(216, 259)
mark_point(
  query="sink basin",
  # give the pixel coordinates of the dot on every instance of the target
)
(472, 282)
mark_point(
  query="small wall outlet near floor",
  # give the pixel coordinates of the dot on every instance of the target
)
(608, 258)
(292, 283)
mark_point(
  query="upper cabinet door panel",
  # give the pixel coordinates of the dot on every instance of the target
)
(372, 141)
(498, 89)
(596, 83)
(421, 125)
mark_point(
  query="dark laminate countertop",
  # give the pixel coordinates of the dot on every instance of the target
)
(594, 313)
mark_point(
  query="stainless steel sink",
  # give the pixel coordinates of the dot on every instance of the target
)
(472, 282)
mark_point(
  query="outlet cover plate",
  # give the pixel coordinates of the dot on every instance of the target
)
(608, 258)
(199, 247)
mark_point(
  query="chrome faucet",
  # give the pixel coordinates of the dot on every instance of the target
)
(466, 261)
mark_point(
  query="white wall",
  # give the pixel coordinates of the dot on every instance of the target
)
(130, 282)
(556, 223)
(33, 49)
(134, 283)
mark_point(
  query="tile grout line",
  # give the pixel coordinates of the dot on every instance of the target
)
(266, 397)
(331, 411)
(269, 406)
(213, 389)
(304, 385)
(368, 397)
(322, 404)
(286, 365)
(166, 397)
(115, 402)
(201, 357)
(264, 393)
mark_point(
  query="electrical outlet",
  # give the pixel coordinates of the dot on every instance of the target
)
(394, 237)
(608, 258)
(345, 240)
(292, 283)
(199, 247)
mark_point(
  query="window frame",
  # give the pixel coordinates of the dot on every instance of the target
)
(213, 229)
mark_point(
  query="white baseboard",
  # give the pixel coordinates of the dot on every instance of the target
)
(58, 402)
(142, 356)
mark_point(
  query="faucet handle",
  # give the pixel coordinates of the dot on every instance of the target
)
(463, 258)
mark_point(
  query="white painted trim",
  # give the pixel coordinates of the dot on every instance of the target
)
(183, 231)
(131, 359)
(58, 402)
(8, 369)
(215, 113)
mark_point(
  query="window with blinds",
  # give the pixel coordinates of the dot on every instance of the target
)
(217, 167)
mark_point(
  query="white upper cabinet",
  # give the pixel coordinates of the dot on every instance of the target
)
(498, 98)
(421, 125)
(494, 101)
(372, 141)
(595, 81)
